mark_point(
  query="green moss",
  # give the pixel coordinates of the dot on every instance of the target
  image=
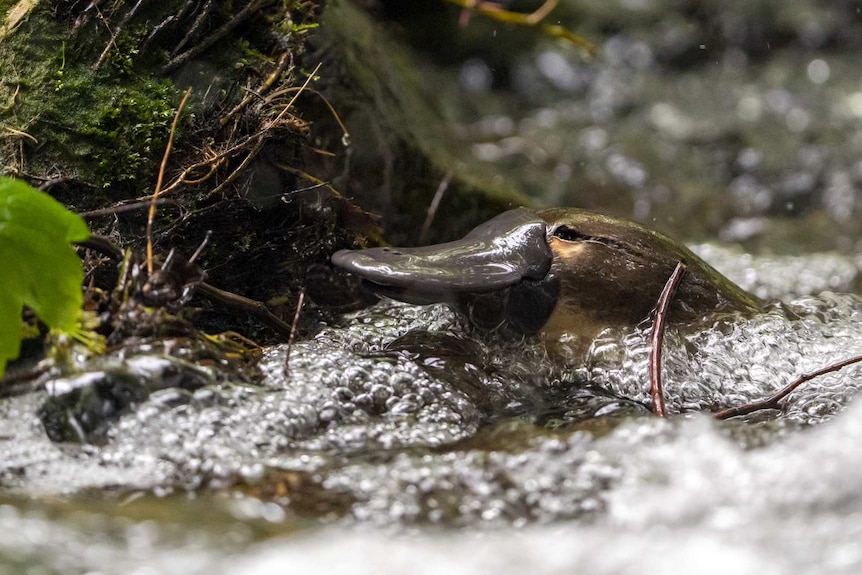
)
(104, 126)
(86, 96)
(117, 131)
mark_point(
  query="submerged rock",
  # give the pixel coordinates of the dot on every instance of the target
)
(81, 408)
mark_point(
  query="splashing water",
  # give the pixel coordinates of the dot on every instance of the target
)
(740, 361)
(416, 418)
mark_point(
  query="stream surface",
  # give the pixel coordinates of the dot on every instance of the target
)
(401, 440)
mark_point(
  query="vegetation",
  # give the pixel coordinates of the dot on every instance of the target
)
(41, 269)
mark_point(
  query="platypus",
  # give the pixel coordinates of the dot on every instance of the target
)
(562, 273)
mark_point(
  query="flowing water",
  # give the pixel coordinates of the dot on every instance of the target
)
(404, 439)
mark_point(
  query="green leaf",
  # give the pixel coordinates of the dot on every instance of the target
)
(39, 266)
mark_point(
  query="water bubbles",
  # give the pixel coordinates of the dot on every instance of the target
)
(818, 71)
(749, 195)
(329, 413)
(671, 122)
(559, 71)
(761, 355)
(249, 508)
(854, 104)
(797, 120)
(749, 159)
(749, 108)
(784, 277)
(476, 76)
(627, 170)
(593, 139)
(779, 100)
(364, 388)
(839, 197)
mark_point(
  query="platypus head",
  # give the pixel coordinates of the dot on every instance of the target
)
(559, 272)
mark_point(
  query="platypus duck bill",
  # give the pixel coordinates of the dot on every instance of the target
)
(554, 271)
(497, 254)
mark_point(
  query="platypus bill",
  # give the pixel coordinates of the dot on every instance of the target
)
(560, 272)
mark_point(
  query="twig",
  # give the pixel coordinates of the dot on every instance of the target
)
(318, 183)
(192, 30)
(533, 20)
(542, 11)
(293, 326)
(122, 208)
(101, 16)
(12, 99)
(212, 164)
(345, 137)
(655, 387)
(201, 247)
(20, 134)
(435, 203)
(116, 32)
(252, 154)
(103, 245)
(250, 144)
(84, 17)
(281, 66)
(152, 213)
(299, 91)
(15, 15)
(771, 402)
(213, 38)
(256, 308)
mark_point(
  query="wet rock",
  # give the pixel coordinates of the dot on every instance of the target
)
(81, 408)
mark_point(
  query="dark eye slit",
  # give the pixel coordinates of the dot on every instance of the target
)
(568, 234)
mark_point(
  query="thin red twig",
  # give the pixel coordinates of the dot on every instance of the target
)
(771, 402)
(435, 203)
(655, 386)
(151, 214)
(293, 327)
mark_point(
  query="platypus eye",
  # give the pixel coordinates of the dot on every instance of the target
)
(568, 234)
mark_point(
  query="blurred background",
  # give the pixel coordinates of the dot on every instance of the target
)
(737, 120)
